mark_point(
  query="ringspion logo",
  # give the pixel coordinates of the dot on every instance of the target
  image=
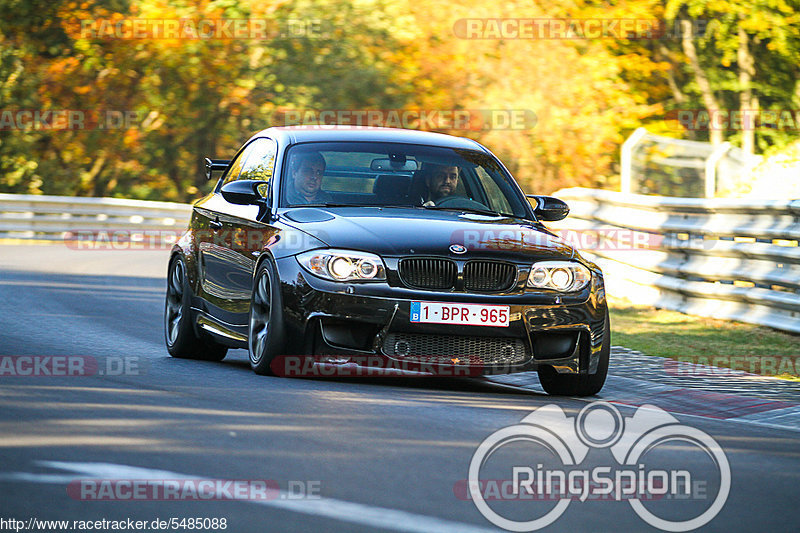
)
(558, 445)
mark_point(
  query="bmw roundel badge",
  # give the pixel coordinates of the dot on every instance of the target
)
(458, 249)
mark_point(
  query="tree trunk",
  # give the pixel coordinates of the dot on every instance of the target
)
(92, 176)
(677, 94)
(663, 53)
(709, 100)
(748, 104)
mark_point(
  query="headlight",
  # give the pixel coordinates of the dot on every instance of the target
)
(563, 276)
(343, 265)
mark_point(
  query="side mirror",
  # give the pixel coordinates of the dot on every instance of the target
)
(215, 165)
(243, 192)
(548, 208)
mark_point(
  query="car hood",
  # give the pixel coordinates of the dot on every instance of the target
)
(397, 232)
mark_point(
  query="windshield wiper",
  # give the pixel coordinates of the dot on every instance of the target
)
(330, 204)
(381, 206)
(406, 206)
(467, 210)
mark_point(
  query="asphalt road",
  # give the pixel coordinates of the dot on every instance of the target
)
(368, 454)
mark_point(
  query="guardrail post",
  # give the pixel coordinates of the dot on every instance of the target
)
(732, 259)
(711, 168)
(626, 158)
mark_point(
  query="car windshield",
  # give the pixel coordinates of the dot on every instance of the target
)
(398, 175)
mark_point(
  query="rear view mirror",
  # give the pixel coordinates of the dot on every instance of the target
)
(548, 208)
(215, 165)
(395, 164)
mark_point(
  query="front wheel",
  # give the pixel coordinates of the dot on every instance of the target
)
(179, 333)
(265, 334)
(580, 384)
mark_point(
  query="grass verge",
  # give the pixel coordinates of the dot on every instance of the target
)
(755, 349)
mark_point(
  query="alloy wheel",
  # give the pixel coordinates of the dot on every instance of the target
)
(260, 309)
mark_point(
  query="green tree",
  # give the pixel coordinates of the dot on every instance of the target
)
(749, 58)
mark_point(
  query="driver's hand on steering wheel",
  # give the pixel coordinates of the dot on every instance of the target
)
(429, 203)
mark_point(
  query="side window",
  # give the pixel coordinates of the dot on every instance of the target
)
(236, 166)
(497, 199)
(260, 161)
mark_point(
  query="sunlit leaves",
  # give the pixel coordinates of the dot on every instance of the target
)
(202, 97)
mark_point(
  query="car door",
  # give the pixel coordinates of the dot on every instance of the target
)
(210, 238)
(230, 261)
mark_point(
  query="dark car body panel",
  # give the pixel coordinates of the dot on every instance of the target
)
(225, 243)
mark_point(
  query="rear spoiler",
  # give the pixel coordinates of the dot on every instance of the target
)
(213, 165)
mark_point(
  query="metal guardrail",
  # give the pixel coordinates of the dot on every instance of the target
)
(729, 259)
(697, 165)
(27, 216)
(722, 258)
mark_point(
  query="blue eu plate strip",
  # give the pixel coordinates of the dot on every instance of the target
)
(414, 311)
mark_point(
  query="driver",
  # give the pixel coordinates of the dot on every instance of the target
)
(306, 171)
(441, 181)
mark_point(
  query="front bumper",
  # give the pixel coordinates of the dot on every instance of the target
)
(326, 317)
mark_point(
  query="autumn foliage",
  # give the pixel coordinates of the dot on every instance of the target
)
(158, 84)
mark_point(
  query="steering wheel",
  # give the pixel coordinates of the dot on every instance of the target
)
(459, 202)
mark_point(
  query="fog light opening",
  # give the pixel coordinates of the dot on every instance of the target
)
(402, 348)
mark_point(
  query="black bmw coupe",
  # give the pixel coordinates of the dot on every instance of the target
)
(408, 247)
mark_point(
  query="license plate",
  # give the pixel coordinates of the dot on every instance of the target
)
(460, 314)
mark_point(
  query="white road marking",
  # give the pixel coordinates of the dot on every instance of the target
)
(36, 478)
(356, 513)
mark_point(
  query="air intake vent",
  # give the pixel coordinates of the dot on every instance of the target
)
(443, 349)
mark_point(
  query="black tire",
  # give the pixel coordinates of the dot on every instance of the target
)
(265, 337)
(579, 384)
(179, 333)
